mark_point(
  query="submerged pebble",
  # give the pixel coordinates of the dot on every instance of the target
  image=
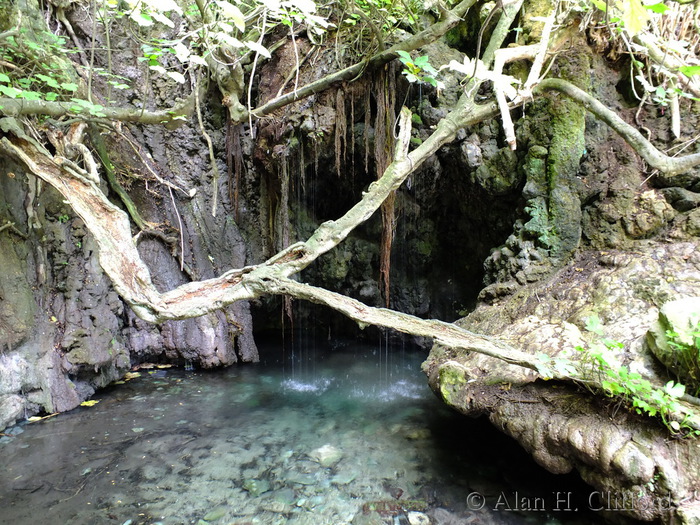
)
(215, 514)
(255, 487)
(343, 478)
(326, 456)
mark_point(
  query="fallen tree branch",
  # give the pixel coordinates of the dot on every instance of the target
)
(654, 157)
(131, 278)
(13, 107)
(448, 334)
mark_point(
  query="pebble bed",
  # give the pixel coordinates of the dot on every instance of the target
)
(313, 437)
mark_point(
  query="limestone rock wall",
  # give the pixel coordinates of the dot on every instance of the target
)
(565, 428)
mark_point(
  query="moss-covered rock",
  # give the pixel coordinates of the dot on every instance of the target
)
(499, 175)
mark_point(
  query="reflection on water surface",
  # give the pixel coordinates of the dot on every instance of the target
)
(314, 437)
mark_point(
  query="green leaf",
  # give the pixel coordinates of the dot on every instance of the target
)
(231, 12)
(10, 91)
(69, 86)
(660, 8)
(50, 81)
(30, 95)
(594, 325)
(689, 71)
(422, 62)
(4, 78)
(600, 5)
(404, 57)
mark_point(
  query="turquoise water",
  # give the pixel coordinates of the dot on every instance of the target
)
(313, 436)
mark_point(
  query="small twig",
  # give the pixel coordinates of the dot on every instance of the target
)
(538, 63)
(15, 30)
(182, 234)
(11, 226)
(675, 111)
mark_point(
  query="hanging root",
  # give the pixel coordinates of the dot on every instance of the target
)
(383, 146)
(341, 128)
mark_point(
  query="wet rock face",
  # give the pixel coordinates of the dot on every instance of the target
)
(564, 429)
(60, 320)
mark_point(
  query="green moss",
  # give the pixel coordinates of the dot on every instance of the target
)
(551, 189)
(424, 248)
(450, 380)
(499, 175)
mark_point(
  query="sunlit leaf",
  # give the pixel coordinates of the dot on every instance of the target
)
(272, 5)
(182, 52)
(600, 5)
(634, 16)
(594, 325)
(660, 8)
(158, 69)
(141, 19)
(674, 389)
(131, 375)
(305, 6)
(232, 13)
(163, 6)
(689, 71)
(90, 403)
(160, 17)
(233, 42)
(196, 59)
(177, 77)
(4, 78)
(258, 48)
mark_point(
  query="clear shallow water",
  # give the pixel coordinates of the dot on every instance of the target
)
(241, 446)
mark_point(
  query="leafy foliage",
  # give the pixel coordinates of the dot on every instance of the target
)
(688, 352)
(419, 69)
(638, 393)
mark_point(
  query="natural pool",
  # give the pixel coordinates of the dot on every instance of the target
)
(317, 436)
